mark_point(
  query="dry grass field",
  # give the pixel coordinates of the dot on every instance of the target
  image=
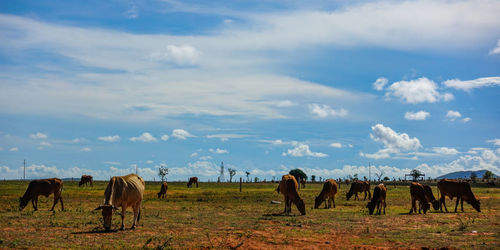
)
(219, 216)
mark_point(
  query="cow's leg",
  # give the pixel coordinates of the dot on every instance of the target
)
(124, 208)
(413, 206)
(286, 205)
(56, 198)
(356, 196)
(378, 207)
(136, 213)
(369, 194)
(385, 205)
(33, 203)
(456, 205)
(62, 205)
(365, 196)
(462, 204)
(333, 201)
(36, 203)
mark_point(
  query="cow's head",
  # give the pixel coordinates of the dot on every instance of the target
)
(425, 207)
(435, 204)
(371, 207)
(348, 195)
(476, 204)
(107, 214)
(22, 203)
(317, 201)
(301, 206)
(80, 183)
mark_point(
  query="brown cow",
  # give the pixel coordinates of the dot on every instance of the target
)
(358, 187)
(42, 187)
(192, 181)
(303, 183)
(122, 191)
(328, 192)
(288, 187)
(418, 194)
(163, 190)
(86, 179)
(379, 195)
(459, 189)
(430, 197)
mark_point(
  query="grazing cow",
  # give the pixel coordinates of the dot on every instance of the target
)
(303, 183)
(86, 179)
(328, 192)
(163, 190)
(192, 181)
(288, 187)
(44, 187)
(378, 199)
(122, 191)
(418, 194)
(358, 187)
(459, 189)
(430, 197)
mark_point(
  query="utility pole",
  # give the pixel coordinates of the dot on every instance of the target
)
(24, 176)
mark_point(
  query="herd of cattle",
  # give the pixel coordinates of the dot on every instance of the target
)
(128, 191)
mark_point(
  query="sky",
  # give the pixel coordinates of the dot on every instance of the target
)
(335, 88)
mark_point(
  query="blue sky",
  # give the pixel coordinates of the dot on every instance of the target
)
(330, 87)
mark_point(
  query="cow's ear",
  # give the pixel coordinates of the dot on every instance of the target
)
(98, 208)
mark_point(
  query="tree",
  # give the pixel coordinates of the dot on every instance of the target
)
(473, 177)
(256, 179)
(247, 173)
(415, 173)
(387, 178)
(379, 176)
(162, 172)
(355, 177)
(298, 174)
(488, 175)
(313, 178)
(232, 172)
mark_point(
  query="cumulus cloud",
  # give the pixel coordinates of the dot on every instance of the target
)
(181, 55)
(86, 149)
(39, 135)
(496, 50)
(45, 144)
(324, 111)
(496, 141)
(181, 134)
(445, 150)
(110, 138)
(218, 151)
(466, 119)
(393, 142)
(420, 90)
(420, 115)
(226, 137)
(144, 137)
(453, 115)
(164, 137)
(380, 83)
(302, 150)
(194, 154)
(79, 140)
(336, 145)
(473, 84)
(14, 149)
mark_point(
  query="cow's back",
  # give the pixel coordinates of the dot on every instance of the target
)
(288, 185)
(330, 187)
(44, 187)
(124, 190)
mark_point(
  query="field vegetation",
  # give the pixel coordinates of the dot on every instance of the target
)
(217, 215)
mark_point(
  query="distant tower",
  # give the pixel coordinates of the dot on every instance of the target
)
(221, 176)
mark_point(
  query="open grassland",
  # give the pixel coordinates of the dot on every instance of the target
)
(219, 216)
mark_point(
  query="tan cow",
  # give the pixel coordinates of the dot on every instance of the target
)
(378, 199)
(328, 192)
(288, 187)
(122, 191)
(85, 180)
(459, 189)
(358, 187)
(430, 197)
(192, 180)
(163, 190)
(44, 187)
(418, 194)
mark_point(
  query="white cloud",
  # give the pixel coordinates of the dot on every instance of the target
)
(39, 135)
(496, 50)
(393, 142)
(336, 145)
(324, 111)
(380, 83)
(473, 84)
(420, 115)
(218, 151)
(453, 115)
(181, 55)
(132, 13)
(466, 119)
(194, 154)
(86, 149)
(417, 91)
(110, 138)
(45, 144)
(181, 134)
(79, 140)
(302, 150)
(445, 151)
(226, 137)
(14, 149)
(284, 103)
(149, 162)
(496, 141)
(205, 158)
(144, 137)
(164, 137)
